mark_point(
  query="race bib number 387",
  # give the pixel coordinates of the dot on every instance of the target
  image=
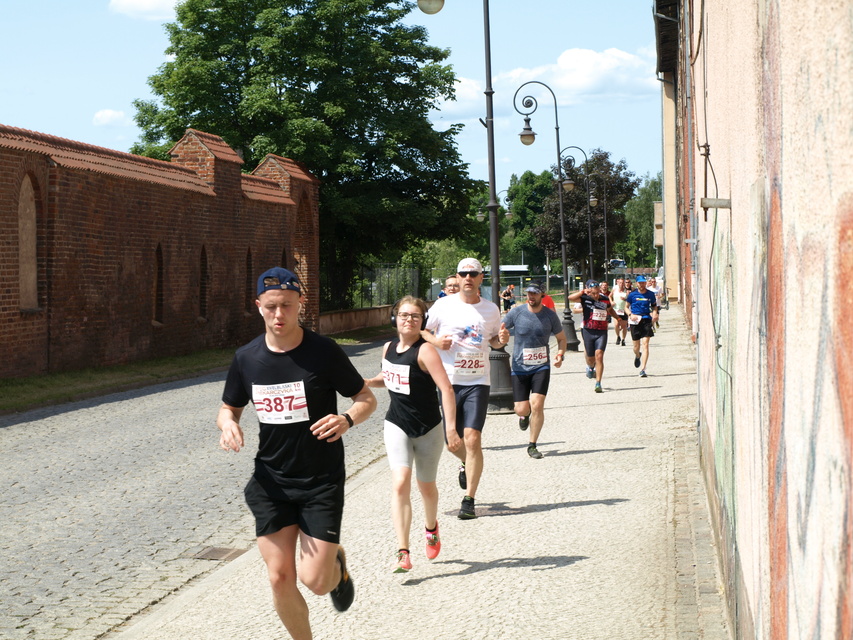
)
(280, 403)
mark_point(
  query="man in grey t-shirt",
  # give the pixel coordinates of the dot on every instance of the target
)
(532, 326)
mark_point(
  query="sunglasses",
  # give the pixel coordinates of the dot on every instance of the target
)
(274, 281)
(468, 274)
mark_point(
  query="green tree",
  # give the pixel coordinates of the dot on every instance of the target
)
(528, 195)
(638, 245)
(620, 185)
(339, 85)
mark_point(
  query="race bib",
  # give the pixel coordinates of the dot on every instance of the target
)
(634, 319)
(280, 403)
(396, 377)
(599, 315)
(535, 356)
(469, 363)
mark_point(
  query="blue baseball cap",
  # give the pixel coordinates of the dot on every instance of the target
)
(590, 284)
(278, 278)
(640, 279)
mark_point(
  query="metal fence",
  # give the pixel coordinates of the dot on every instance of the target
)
(384, 284)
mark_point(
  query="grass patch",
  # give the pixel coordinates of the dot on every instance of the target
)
(365, 335)
(17, 394)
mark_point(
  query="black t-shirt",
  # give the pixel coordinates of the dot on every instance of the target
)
(290, 392)
(414, 401)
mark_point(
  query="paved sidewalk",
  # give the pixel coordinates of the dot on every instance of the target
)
(606, 537)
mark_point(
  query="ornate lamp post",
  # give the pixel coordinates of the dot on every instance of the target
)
(594, 201)
(500, 392)
(569, 185)
(529, 105)
(434, 6)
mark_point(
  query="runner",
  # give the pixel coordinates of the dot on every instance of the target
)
(292, 376)
(596, 309)
(532, 324)
(547, 300)
(652, 285)
(411, 370)
(451, 286)
(508, 297)
(617, 297)
(461, 327)
(643, 309)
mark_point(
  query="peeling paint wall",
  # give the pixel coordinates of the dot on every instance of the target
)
(768, 87)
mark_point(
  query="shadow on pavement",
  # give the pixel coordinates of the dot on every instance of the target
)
(538, 563)
(493, 509)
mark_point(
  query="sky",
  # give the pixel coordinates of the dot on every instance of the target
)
(72, 68)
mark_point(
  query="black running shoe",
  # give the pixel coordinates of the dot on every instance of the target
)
(343, 595)
(524, 422)
(533, 452)
(466, 512)
(637, 361)
(463, 479)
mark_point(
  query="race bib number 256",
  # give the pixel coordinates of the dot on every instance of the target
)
(280, 403)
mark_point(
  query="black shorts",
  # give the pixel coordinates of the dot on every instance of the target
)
(472, 402)
(644, 329)
(318, 510)
(523, 384)
(594, 340)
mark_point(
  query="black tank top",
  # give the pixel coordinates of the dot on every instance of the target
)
(414, 401)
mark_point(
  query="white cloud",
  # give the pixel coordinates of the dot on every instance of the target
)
(579, 76)
(145, 9)
(584, 75)
(111, 118)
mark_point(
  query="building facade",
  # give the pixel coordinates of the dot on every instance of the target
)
(758, 184)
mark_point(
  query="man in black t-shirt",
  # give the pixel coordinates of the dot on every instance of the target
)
(292, 376)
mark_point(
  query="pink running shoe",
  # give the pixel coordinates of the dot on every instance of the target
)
(433, 543)
(404, 562)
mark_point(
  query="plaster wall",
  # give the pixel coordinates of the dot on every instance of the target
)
(773, 100)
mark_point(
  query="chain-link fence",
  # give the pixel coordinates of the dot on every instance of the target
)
(384, 283)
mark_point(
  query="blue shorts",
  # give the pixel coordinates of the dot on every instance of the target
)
(594, 340)
(472, 402)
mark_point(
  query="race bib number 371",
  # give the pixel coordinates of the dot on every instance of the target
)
(280, 403)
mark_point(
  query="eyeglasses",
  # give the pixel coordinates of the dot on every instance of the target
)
(468, 274)
(413, 316)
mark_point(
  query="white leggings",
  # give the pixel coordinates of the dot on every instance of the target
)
(424, 451)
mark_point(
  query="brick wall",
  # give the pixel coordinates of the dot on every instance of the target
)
(101, 216)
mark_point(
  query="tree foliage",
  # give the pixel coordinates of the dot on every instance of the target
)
(613, 185)
(339, 85)
(638, 245)
(528, 195)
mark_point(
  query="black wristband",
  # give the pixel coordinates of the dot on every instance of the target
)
(349, 419)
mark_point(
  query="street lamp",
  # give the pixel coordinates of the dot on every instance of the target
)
(500, 387)
(434, 6)
(529, 105)
(481, 216)
(569, 185)
(604, 191)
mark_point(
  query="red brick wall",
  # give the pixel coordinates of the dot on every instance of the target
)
(98, 232)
